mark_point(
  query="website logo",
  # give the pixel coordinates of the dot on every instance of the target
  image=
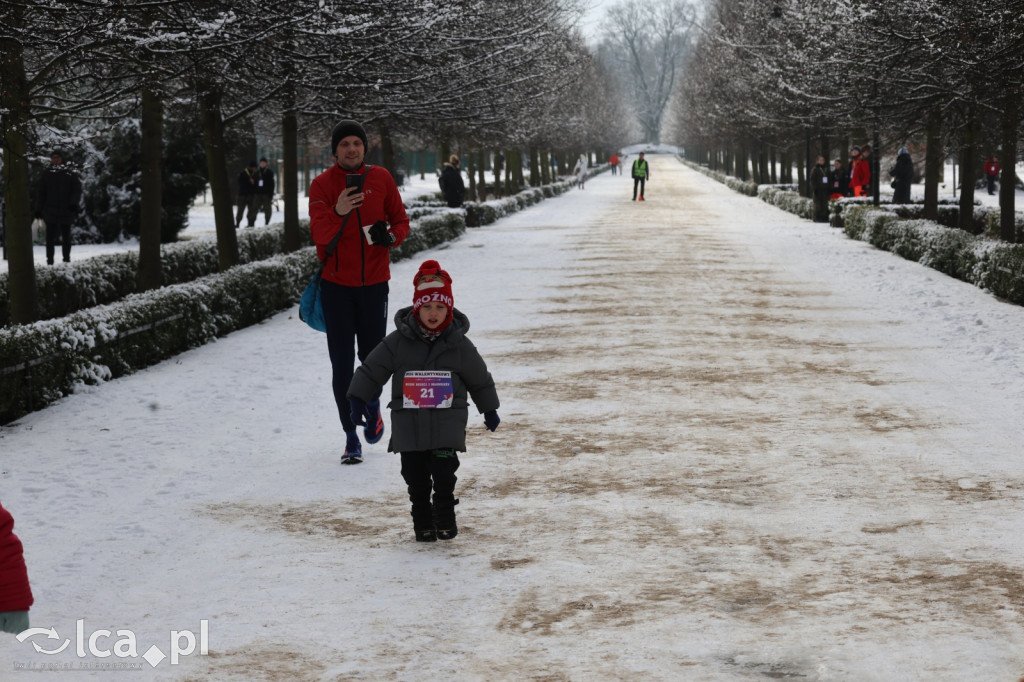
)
(121, 647)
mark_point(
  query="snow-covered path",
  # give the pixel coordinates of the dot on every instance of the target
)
(735, 445)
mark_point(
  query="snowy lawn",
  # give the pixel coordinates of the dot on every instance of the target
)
(735, 445)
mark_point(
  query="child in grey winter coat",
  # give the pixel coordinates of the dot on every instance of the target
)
(434, 368)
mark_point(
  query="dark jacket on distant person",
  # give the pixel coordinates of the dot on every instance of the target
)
(820, 181)
(58, 195)
(246, 184)
(903, 175)
(264, 181)
(452, 186)
(839, 177)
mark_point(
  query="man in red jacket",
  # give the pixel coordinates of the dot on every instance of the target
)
(362, 202)
(991, 173)
(15, 593)
(860, 174)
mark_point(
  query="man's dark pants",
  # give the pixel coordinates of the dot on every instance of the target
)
(52, 231)
(354, 316)
(638, 181)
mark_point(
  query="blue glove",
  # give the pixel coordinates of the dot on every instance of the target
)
(357, 410)
(491, 419)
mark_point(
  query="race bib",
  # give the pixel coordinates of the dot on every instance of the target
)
(423, 390)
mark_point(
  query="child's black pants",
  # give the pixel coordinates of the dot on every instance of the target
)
(426, 470)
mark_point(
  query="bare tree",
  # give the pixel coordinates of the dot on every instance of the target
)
(42, 45)
(650, 41)
(950, 72)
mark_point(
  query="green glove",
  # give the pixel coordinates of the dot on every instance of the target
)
(14, 622)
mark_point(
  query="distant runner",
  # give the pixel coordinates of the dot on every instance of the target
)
(641, 173)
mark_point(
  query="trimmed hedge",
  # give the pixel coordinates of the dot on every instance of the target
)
(786, 198)
(428, 232)
(44, 361)
(948, 213)
(65, 289)
(992, 265)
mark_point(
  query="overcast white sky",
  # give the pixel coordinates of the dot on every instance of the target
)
(593, 17)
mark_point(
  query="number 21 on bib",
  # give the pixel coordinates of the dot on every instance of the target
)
(427, 390)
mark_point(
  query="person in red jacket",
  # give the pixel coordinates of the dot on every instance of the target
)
(15, 593)
(362, 202)
(992, 173)
(860, 174)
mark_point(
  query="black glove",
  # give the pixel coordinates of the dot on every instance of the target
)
(491, 419)
(379, 235)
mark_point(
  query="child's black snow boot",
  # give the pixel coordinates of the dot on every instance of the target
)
(444, 516)
(423, 522)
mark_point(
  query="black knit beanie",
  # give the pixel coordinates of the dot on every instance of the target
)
(345, 129)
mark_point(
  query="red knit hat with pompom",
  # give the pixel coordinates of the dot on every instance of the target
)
(432, 284)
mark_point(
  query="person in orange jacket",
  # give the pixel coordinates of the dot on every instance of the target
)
(361, 203)
(15, 593)
(991, 173)
(613, 161)
(860, 174)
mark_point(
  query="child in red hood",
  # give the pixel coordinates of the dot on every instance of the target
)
(15, 593)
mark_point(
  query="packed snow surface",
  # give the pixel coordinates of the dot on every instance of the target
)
(734, 445)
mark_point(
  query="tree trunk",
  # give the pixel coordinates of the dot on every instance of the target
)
(481, 181)
(968, 172)
(520, 181)
(876, 167)
(471, 192)
(497, 177)
(446, 152)
(802, 177)
(149, 275)
(932, 165)
(810, 162)
(306, 179)
(15, 100)
(545, 168)
(534, 167)
(216, 165)
(288, 184)
(1008, 178)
